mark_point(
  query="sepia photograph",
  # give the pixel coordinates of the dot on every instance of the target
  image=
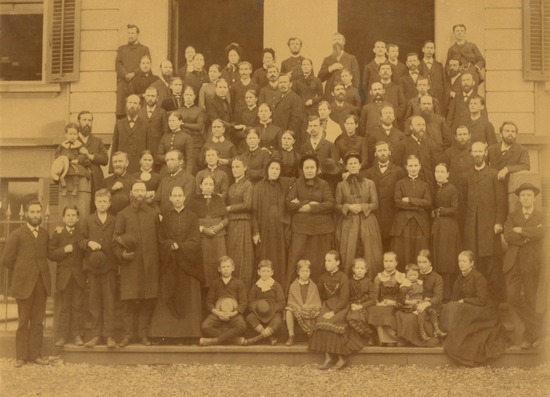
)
(274, 198)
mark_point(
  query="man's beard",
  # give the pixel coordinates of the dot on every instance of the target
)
(132, 112)
(86, 130)
(382, 159)
(119, 170)
(508, 140)
(138, 201)
(167, 77)
(34, 222)
(378, 98)
(426, 113)
(453, 73)
(337, 48)
(341, 97)
(294, 52)
(478, 160)
(151, 103)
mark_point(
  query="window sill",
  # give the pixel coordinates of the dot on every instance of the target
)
(29, 88)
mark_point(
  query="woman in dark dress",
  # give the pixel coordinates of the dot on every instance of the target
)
(231, 72)
(331, 333)
(178, 310)
(288, 155)
(256, 156)
(475, 333)
(407, 323)
(239, 229)
(175, 139)
(213, 220)
(271, 220)
(446, 239)
(311, 203)
(147, 175)
(192, 122)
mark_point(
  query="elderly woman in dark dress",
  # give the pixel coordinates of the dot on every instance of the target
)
(256, 157)
(331, 333)
(407, 323)
(445, 239)
(475, 333)
(271, 220)
(311, 203)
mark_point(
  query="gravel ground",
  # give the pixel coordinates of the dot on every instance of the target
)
(74, 380)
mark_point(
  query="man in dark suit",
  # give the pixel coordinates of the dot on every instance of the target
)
(385, 175)
(119, 183)
(481, 129)
(435, 71)
(386, 131)
(508, 156)
(26, 256)
(340, 109)
(127, 63)
(130, 135)
(524, 232)
(408, 82)
(175, 100)
(334, 63)
(270, 93)
(156, 118)
(163, 83)
(393, 93)
(370, 71)
(370, 112)
(177, 176)
(316, 144)
(419, 144)
(288, 112)
(485, 215)
(139, 269)
(459, 108)
(453, 79)
(93, 151)
(293, 64)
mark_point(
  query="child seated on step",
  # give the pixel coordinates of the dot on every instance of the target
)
(412, 292)
(266, 302)
(304, 302)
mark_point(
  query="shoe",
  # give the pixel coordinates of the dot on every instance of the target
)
(209, 341)
(92, 342)
(41, 361)
(111, 344)
(290, 340)
(526, 345)
(78, 341)
(60, 342)
(145, 341)
(325, 366)
(340, 365)
(238, 340)
(19, 363)
(273, 341)
(124, 342)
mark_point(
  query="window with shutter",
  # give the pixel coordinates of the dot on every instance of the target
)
(63, 41)
(536, 43)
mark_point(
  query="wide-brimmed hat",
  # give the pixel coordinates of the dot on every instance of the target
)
(527, 186)
(263, 309)
(227, 304)
(330, 167)
(60, 167)
(97, 259)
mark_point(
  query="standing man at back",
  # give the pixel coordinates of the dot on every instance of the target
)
(127, 63)
(334, 63)
(26, 255)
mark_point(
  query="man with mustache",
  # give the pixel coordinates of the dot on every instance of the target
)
(370, 113)
(370, 71)
(26, 255)
(453, 78)
(393, 92)
(163, 83)
(459, 108)
(435, 71)
(508, 156)
(139, 269)
(436, 127)
(386, 131)
(130, 134)
(480, 127)
(270, 94)
(419, 144)
(293, 64)
(340, 109)
(408, 81)
(119, 182)
(156, 119)
(93, 152)
(334, 63)
(485, 216)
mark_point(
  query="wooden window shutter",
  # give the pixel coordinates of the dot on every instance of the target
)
(536, 39)
(63, 60)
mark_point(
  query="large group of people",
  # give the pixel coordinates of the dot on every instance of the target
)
(365, 211)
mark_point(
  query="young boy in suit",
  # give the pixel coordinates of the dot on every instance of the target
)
(26, 255)
(70, 278)
(226, 301)
(100, 265)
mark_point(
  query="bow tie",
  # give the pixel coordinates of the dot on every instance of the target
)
(207, 196)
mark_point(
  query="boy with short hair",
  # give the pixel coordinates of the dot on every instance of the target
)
(70, 278)
(226, 301)
(266, 301)
(100, 264)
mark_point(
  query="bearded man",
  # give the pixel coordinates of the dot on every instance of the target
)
(130, 134)
(136, 246)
